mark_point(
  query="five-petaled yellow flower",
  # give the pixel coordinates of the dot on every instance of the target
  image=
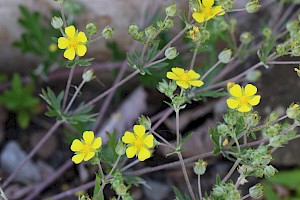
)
(73, 42)
(185, 79)
(207, 11)
(86, 148)
(243, 98)
(138, 143)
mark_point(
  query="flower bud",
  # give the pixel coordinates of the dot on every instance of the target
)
(57, 22)
(171, 10)
(171, 53)
(225, 56)
(120, 148)
(252, 120)
(277, 141)
(222, 129)
(246, 38)
(133, 29)
(269, 171)
(88, 75)
(267, 32)
(108, 32)
(121, 190)
(162, 86)
(91, 28)
(253, 75)
(280, 49)
(200, 167)
(150, 32)
(145, 121)
(222, 25)
(230, 84)
(273, 116)
(293, 112)
(218, 190)
(252, 6)
(168, 24)
(256, 191)
(296, 50)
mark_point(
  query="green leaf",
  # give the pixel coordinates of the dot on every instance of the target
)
(269, 193)
(179, 196)
(240, 126)
(23, 119)
(215, 139)
(97, 188)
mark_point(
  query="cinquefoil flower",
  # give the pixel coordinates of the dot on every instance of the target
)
(73, 42)
(138, 143)
(207, 11)
(86, 148)
(185, 79)
(243, 98)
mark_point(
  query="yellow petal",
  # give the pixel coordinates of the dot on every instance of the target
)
(128, 137)
(196, 83)
(63, 43)
(172, 76)
(250, 90)
(76, 145)
(88, 137)
(131, 151)
(70, 31)
(232, 103)
(183, 84)
(178, 71)
(81, 37)
(89, 156)
(139, 130)
(236, 90)
(254, 100)
(149, 141)
(143, 154)
(199, 17)
(70, 54)
(193, 75)
(78, 158)
(97, 143)
(218, 10)
(208, 3)
(244, 108)
(81, 50)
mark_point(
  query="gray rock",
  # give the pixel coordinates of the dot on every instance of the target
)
(157, 191)
(11, 156)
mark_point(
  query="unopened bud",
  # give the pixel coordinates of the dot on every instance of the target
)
(200, 167)
(253, 75)
(293, 112)
(108, 32)
(269, 171)
(91, 28)
(256, 191)
(171, 10)
(252, 6)
(280, 49)
(120, 148)
(88, 75)
(133, 29)
(145, 121)
(57, 22)
(218, 191)
(121, 190)
(246, 38)
(171, 53)
(150, 32)
(225, 56)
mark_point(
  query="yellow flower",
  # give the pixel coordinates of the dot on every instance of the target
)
(207, 11)
(193, 33)
(138, 143)
(52, 47)
(243, 98)
(73, 42)
(185, 79)
(86, 148)
(230, 84)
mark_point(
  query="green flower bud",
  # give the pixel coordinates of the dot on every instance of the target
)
(252, 6)
(200, 167)
(292, 27)
(225, 56)
(223, 129)
(267, 32)
(218, 190)
(171, 10)
(204, 35)
(88, 75)
(145, 121)
(169, 23)
(171, 53)
(280, 49)
(91, 28)
(277, 141)
(269, 171)
(259, 172)
(222, 25)
(121, 190)
(253, 75)
(296, 50)
(120, 148)
(150, 32)
(108, 32)
(293, 112)
(230, 118)
(252, 120)
(133, 29)
(246, 38)
(256, 191)
(273, 116)
(57, 22)
(226, 4)
(162, 86)
(177, 101)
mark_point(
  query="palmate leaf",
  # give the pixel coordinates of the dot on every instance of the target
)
(179, 196)
(82, 116)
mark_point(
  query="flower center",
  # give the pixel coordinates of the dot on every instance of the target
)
(86, 148)
(73, 42)
(243, 100)
(184, 77)
(139, 143)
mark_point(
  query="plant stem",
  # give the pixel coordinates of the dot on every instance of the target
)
(68, 87)
(177, 128)
(245, 197)
(199, 187)
(103, 182)
(237, 162)
(210, 70)
(75, 95)
(194, 55)
(114, 167)
(284, 62)
(62, 12)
